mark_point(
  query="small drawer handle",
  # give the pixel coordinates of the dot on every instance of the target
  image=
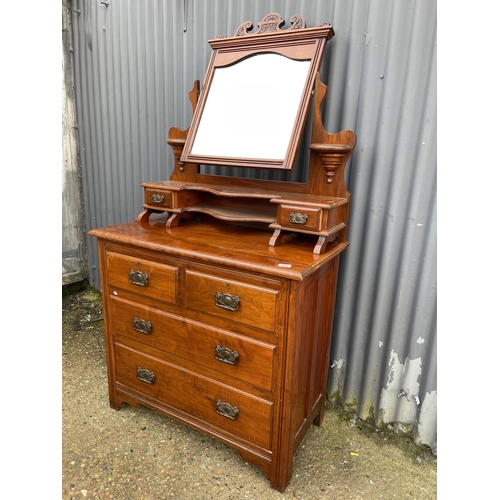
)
(138, 278)
(142, 326)
(226, 410)
(227, 301)
(298, 218)
(157, 198)
(226, 355)
(146, 375)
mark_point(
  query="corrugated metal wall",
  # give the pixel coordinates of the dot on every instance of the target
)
(135, 62)
(74, 261)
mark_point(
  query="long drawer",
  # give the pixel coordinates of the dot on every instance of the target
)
(233, 411)
(224, 352)
(231, 299)
(144, 277)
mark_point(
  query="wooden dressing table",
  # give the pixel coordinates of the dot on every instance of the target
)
(219, 299)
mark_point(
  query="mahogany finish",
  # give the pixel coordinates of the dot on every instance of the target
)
(219, 299)
(162, 336)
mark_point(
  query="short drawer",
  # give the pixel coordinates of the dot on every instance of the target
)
(158, 198)
(233, 300)
(142, 276)
(300, 217)
(231, 355)
(234, 411)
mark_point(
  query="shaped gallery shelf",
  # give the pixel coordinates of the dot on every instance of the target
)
(321, 216)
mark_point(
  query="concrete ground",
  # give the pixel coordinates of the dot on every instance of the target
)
(137, 453)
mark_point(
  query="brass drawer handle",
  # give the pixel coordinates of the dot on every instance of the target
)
(142, 326)
(157, 198)
(226, 410)
(138, 278)
(298, 218)
(146, 375)
(226, 355)
(227, 301)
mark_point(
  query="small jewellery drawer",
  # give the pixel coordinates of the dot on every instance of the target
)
(230, 355)
(299, 217)
(237, 412)
(157, 198)
(233, 300)
(145, 277)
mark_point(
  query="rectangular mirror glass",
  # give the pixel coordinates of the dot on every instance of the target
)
(255, 98)
(241, 114)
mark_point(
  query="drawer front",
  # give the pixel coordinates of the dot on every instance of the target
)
(299, 217)
(233, 300)
(233, 411)
(145, 277)
(231, 355)
(158, 198)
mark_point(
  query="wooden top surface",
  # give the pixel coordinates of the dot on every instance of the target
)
(231, 245)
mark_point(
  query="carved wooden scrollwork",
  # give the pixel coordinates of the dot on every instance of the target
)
(298, 22)
(271, 23)
(244, 28)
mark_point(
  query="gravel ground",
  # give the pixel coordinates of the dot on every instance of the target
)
(137, 453)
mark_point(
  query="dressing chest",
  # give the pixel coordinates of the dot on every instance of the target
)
(219, 298)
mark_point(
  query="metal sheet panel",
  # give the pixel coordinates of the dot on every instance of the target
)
(385, 328)
(74, 262)
(135, 62)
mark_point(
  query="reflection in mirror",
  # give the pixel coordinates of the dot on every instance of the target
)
(251, 108)
(298, 173)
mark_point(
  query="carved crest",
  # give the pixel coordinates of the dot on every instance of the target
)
(271, 23)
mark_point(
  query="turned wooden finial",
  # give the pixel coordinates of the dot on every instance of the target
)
(331, 156)
(177, 146)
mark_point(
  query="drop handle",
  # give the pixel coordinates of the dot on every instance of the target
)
(297, 218)
(226, 355)
(226, 410)
(227, 301)
(157, 198)
(138, 278)
(142, 326)
(145, 375)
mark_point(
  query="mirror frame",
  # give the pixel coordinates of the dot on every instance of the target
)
(297, 43)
